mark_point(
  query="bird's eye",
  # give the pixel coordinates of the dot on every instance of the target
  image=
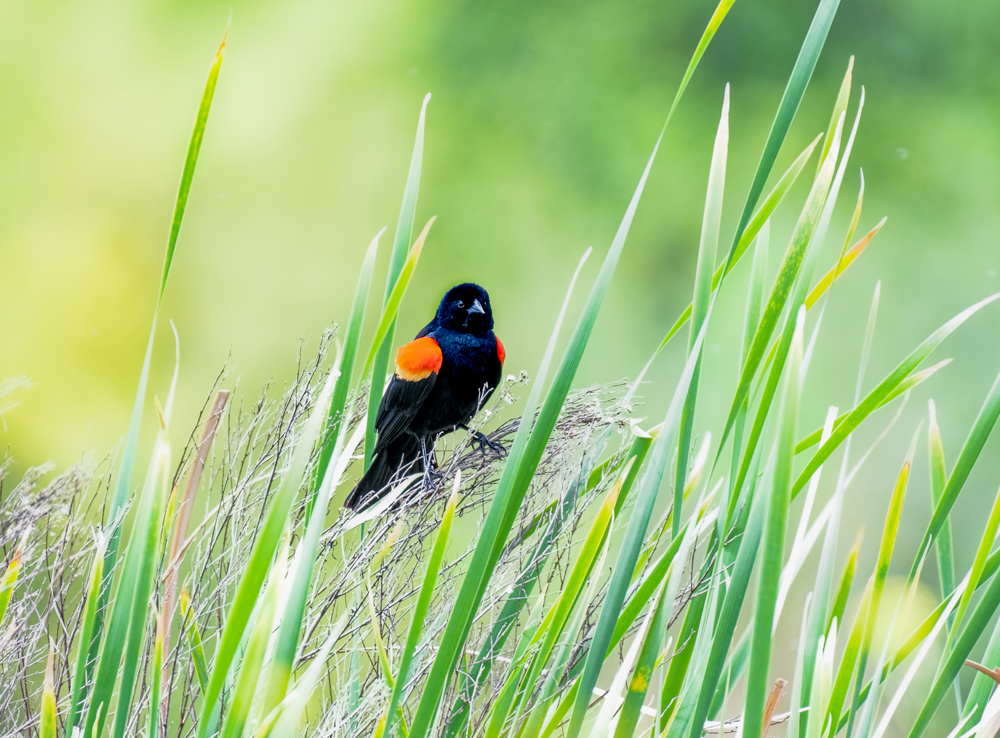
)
(461, 303)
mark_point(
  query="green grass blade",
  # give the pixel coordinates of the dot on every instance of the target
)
(9, 579)
(839, 108)
(388, 321)
(877, 396)
(983, 685)
(352, 339)
(423, 604)
(253, 658)
(635, 533)
(147, 526)
(939, 478)
(788, 276)
(194, 639)
(776, 523)
(187, 176)
(967, 457)
(86, 633)
(262, 554)
(47, 722)
(400, 248)
(888, 543)
(843, 589)
(732, 605)
(707, 247)
(123, 481)
(978, 564)
(154, 677)
(120, 650)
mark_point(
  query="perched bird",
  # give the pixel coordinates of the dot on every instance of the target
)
(443, 377)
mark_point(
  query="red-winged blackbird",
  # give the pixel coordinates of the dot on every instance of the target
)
(442, 379)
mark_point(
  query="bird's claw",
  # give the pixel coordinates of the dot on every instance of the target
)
(483, 442)
(432, 476)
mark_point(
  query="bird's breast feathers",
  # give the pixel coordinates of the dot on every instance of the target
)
(418, 359)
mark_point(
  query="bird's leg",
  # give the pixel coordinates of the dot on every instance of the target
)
(483, 442)
(431, 474)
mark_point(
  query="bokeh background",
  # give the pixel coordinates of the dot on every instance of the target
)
(542, 116)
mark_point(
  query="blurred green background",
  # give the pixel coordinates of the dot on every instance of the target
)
(542, 117)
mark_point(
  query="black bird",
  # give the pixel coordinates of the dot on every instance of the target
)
(443, 377)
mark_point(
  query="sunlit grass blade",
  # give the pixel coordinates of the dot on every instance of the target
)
(877, 396)
(194, 639)
(707, 246)
(839, 108)
(788, 276)
(9, 579)
(352, 339)
(388, 321)
(259, 561)
(119, 653)
(888, 543)
(397, 257)
(775, 525)
(423, 604)
(253, 656)
(967, 457)
(978, 563)
(855, 251)
(634, 535)
(156, 674)
(47, 722)
(939, 478)
(86, 632)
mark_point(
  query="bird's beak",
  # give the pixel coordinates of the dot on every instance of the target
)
(477, 307)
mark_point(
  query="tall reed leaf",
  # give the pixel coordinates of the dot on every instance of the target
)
(967, 457)
(400, 247)
(774, 539)
(702, 292)
(352, 339)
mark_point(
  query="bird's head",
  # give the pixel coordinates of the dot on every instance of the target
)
(466, 308)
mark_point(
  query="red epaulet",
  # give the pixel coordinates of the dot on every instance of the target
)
(501, 354)
(418, 359)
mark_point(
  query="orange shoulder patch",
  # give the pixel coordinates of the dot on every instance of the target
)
(418, 359)
(501, 353)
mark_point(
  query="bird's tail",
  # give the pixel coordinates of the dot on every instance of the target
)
(389, 465)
